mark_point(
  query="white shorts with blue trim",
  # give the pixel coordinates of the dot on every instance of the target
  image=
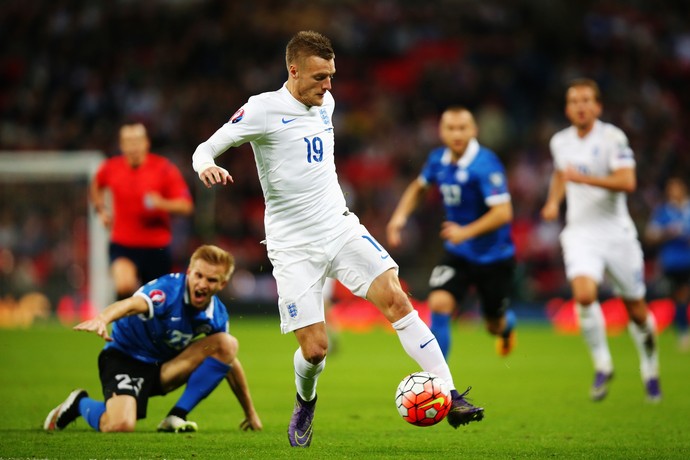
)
(354, 258)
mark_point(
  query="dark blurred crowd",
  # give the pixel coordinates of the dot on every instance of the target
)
(72, 71)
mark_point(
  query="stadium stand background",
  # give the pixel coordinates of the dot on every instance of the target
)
(72, 71)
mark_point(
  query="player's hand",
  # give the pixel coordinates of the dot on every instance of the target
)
(104, 217)
(153, 200)
(95, 325)
(252, 423)
(454, 232)
(394, 230)
(550, 211)
(571, 174)
(215, 175)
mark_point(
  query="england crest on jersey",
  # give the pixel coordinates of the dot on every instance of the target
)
(324, 116)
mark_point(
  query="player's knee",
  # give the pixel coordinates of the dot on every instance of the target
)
(125, 288)
(118, 426)
(585, 298)
(637, 310)
(441, 302)
(493, 327)
(225, 347)
(315, 353)
(394, 304)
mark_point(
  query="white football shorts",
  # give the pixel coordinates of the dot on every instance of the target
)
(354, 258)
(621, 258)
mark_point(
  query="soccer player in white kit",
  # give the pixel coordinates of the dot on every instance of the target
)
(594, 169)
(310, 233)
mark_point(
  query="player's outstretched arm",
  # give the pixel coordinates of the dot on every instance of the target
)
(126, 307)
(497, 216)
(620, 180)
(555, 197)
(406, 206)
(238, 383)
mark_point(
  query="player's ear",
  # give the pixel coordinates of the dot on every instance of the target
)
(292, 70)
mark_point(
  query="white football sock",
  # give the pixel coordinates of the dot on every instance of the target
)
(649, 357)
(593, 328)
(421, 345)
(306, 375)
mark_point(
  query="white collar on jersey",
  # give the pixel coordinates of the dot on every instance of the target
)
(291, 99)
(467, 158)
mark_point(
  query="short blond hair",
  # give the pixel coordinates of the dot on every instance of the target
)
(215, 256)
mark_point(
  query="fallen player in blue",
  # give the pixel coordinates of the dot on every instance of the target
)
(152, 351)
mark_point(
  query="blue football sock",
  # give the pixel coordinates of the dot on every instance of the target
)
(202, 382)
(511, 320)
(440, 327)
(92, 411)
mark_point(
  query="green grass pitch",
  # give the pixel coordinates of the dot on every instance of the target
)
(536, 400)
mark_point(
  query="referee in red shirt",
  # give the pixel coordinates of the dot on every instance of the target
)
(146, 189)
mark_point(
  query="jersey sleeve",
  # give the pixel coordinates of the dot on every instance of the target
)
(428, 174)
(159, 295)
(621, 155)
(493, 184)
(246, 125)
(101, 176)
(220, 321)
(553, 147)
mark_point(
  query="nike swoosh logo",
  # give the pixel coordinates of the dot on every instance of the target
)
(385, 257)
(285, 122)
(304, 438)
(439, 400)
(425, 344)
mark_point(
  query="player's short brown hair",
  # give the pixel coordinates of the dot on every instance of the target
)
(588, 83)
(308, 43)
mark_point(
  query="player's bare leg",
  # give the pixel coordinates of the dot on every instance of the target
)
(120, 414)
(125, 278)
(202, 366)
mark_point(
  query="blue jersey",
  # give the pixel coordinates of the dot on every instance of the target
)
(674, 254)
(171, 323)
(469, 187)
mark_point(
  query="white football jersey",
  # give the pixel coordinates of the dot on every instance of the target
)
(293, 147)
(594, 211)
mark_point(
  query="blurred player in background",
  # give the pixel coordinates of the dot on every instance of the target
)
(152, 352)
(476, 233)
(669, 227)
(594, 169)
(310, 233)
(146, 189)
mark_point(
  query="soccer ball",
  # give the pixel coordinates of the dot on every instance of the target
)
(423, 399)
